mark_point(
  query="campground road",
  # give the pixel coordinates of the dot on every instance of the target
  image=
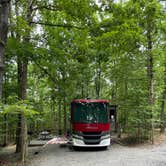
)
(116, 155)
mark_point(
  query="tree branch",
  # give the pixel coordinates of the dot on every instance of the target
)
(49, 7)
(46, 72)
(56, 25)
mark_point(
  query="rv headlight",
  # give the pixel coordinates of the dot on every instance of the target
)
(105, 133)
(105, 136)
(77, 136)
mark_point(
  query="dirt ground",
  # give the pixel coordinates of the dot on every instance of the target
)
(115, 155)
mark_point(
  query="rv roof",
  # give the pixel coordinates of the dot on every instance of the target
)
(91, 101)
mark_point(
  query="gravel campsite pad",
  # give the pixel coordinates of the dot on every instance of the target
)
(115, 155)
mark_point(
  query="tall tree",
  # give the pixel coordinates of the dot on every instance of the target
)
(21, 144)
(152, 12)
(162, 113)
(150, 69)
(4, 14)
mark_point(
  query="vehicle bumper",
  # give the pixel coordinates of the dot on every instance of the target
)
(80, 143)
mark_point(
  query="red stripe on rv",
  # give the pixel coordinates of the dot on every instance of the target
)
(91, 127)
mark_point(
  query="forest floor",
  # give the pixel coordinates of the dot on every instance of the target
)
(116, 155)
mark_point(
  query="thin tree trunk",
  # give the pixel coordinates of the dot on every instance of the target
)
(18, 134)
(98, 78)
(162, 113)
(82, 91)
(6, 131)
(18, 131)
(64, 101)
(59, 118)
(65, 114)
(87, 91)
(19, 72)
(98, 84)
(53, 114)
(5, 116)
(150, 73)
(24, 140)
(4, 14)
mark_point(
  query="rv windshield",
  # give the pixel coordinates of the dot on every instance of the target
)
(84, 112)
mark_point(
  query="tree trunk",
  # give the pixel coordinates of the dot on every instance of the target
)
(150, 74)
(98, 78)
(82, 91)
(21, 144)
(6, 131)
(63, 70)
(65, 114)
(162, 113)
(22, 95)
(59, 118)
(5, 143)
(18, 133)
(24, 139)
(53, 114)
(19, 72)
(4, 14)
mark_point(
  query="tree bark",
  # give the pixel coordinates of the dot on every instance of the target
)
(162, 113)
(4, 14)
(6, 137)
(150, 73)
(53, 113)
(24, 140)
(18, 130)
(21, 135)
(21, 144)
(6, 131)
(22, 86)
(65, 114)
(63, 70)
(98, 77)
(18, 133)
(59, 118)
